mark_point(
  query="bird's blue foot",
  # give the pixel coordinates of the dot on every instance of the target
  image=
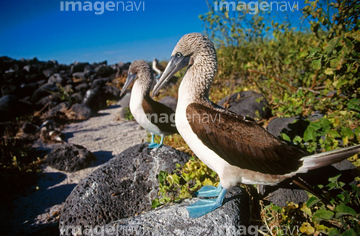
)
(204, 206)
(209, 191)
(155, 145)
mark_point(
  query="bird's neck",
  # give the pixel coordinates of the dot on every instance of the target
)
(195, 86)
(144, 83)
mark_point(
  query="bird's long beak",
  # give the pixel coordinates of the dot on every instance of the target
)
(129, 80)
(175, 64)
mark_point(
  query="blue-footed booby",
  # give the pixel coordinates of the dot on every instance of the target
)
(49, 134)
(237, 149)
(153, 116)
(157, 68)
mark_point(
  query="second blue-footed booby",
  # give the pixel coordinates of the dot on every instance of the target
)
(157, 68)
(237, 149)
(153, 116)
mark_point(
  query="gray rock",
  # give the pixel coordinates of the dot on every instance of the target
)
(111, 93)
(121, 188)
(229, 219)
(103, 71)
(247, 103)
(78, 112)
(94, 99)
(44, 90)
(70, 157)
(78, 67)
(282, 196)
(80, 76)
(56, 78)
(50, 71)
(125, 100)
(11, 107)
(291, 126)
(170, 102)
(82, 87)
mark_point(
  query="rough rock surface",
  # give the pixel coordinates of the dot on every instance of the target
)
(78, 112)
(105, 136)
(70, 157)
(291, 126)
(123, 187)
(173, 219)
(247, 103)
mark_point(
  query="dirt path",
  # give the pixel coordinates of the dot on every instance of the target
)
(105, 136)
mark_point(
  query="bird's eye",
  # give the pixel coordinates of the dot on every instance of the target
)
(178, 54)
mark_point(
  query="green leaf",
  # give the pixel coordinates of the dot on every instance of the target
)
(333, 133)
(342, 210)
(303, 54)
(354, 104)
(334, 232)
(285, 137)
(347, 46)
(312, 201)
(334, 179)
(316, 64)
(313, 52)
(297, 139)
(276, 208)
(309, 134)
(331, 45)
(322, 214)
(155, 203)
(162, 176)
(349, 232)
(336, 63)
(347, 132)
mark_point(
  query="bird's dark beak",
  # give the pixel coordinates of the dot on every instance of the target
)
(175, 64)
(129, 80)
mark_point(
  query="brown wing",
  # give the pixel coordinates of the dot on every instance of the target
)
(160, 115)
(243, 143)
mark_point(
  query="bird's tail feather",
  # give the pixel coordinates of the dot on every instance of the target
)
(327, 158)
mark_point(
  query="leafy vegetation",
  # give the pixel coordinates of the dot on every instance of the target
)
(313, 217)
(184, 181)
(311, 69)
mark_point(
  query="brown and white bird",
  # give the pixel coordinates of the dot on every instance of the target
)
(153, 116)
(237, 149)
(49, 134)
(157, 68)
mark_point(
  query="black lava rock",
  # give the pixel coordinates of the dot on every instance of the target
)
(11, 107)
(94, 99)
(122, 187)
(44, 90)
(247, 103)
(232, 218)
(56, 79)
(79, 112)
(78, 67)
(70, 157)
(104, 71)
(291, 126)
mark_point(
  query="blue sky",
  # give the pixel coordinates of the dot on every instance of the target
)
(38, 28)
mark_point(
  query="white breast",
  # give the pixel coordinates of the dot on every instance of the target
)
(137, 110)
(206, 155)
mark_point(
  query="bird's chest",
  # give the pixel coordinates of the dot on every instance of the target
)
(138, 112)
